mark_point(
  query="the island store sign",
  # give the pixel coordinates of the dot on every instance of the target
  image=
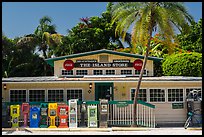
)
(69, 64)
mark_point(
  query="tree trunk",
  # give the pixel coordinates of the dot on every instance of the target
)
(134, 124)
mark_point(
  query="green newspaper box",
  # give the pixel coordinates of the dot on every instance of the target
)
(92, 116)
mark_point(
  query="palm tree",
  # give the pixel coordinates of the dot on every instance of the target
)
(147, 18)
(44, 37)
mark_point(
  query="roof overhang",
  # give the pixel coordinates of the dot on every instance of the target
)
(50, 61)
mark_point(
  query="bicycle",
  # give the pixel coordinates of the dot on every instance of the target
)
(196, 116)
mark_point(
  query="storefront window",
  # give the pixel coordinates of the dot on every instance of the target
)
(137, 72)
(191, 89)
(98, 72)
(81, 72)
(157, 95)
(110, 72)
(67, 72)
(74, 94)
(36, 95)
(175, 95)
(17, 95)
(141, 96)
(126, 72)
(55, 95)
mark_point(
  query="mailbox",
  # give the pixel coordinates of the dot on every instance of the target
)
(92, 116)
(25, 110)
(73, 113)
(103, 111)
(5, 115)
(34, 117)
(63, 115)
(52, 113)
(15, 113)
(43, 115)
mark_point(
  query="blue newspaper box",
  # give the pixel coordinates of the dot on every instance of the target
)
(34, 117)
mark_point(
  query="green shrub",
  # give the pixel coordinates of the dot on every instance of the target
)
(184, 64)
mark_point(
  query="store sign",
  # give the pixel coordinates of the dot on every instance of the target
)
(68, 64)
(120, 63)
(177, 106)
(137, 64)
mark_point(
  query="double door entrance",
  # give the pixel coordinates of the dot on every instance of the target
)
(104, 91)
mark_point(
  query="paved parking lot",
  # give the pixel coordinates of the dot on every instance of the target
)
(109, 131)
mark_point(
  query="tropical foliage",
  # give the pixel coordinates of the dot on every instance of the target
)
(184, 64)
(149, 17)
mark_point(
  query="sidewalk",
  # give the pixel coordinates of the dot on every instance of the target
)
(79, 129)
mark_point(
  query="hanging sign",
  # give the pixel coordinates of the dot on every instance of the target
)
(137, 64)
(68, 64)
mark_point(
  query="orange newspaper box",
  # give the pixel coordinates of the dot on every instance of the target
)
(63, 115)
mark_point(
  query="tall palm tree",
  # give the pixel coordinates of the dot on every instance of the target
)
(44, 37)
(147, 18)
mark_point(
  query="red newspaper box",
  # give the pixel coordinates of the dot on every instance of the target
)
(25, 110)
(62, 111)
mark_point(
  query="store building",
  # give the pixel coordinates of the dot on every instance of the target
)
(105, 74)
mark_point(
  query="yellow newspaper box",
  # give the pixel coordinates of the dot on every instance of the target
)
(15, 113)
(52, 113)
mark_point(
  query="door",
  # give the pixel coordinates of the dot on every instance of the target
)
(104, 91)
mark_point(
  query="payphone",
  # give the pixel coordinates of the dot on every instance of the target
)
(63, 115)
(73, 113)
(92, 116)
(103, 111)
(25, 111)
(43, 115)
(15, 113)
(5, 115)
(34, 117)
(52, 113)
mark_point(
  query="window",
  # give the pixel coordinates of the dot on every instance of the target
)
(110, 72)
(137, 72)
(17, 95)
(67, 72)
(157, 95)
(74, 94)
(175, 95)
(81, 72)
(103, 58)
(190, 89)
(36, 95)
(55, 95)
(126, 72)
(142, 95)
(98, 72)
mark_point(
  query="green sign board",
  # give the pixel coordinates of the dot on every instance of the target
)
(122, 104)
(177, 105)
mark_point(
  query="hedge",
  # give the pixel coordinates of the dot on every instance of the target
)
(183, 64)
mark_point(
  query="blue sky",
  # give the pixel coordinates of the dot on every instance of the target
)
(20, 18)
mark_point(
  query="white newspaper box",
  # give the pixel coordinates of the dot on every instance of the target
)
(73, 113)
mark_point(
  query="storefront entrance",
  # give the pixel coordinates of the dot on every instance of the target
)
(104, 91)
